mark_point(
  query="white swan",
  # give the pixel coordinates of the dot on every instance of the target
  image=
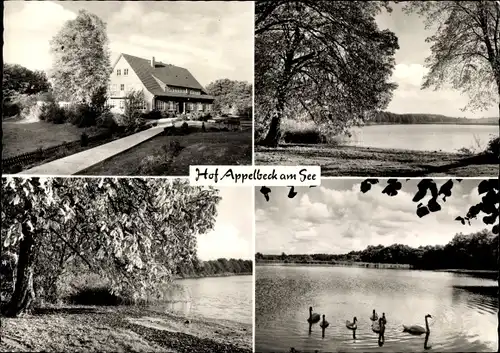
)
(417, 329)
(352, 325)
(313, 317)
(324, 323)
(374, 316)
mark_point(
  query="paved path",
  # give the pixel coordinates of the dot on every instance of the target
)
(79, 161)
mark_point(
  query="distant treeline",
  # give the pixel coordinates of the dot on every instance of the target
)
(219, 267)
(393, 118)
(476, 251)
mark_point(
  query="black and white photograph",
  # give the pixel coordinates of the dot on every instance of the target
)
(125, 265)
(379, 88)
(385, 265)
(132, 88)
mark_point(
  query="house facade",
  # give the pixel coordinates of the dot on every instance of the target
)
(166, 87)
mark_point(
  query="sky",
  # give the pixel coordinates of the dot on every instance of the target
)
(337, 217)
(212, 39)
(232, 236)
(410, 70)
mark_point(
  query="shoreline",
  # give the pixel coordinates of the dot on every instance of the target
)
(367, 162)
(224, 274)
(383, 266)
(121, 328)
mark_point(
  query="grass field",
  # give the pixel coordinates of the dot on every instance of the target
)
(376, 162)
(19, 137)
(199, 148)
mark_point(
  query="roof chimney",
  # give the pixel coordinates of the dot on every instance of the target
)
(152, 61)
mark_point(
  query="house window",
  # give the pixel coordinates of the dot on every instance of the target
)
(171, 105)
(125, 72)
(122, 105)
(209, 107)
(118, 72)
(122, 87)
(200, 107)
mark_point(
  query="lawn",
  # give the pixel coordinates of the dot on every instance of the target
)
(199, 148)
(19, 138)
(376, 162)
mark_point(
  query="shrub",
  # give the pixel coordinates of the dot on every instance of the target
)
(184, 128)
(107, 120)
(493, 148)
(84, 140)
(51, 112)
(10, 109)
(203, 127)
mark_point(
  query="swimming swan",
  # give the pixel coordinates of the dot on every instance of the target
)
(324, 323)
(374, 316)
(417, 329)
(378, 327)
(351, 325)
(313, 317)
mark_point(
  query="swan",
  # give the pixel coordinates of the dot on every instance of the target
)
(379, 327)
(374, 316)
(351, 325)
(313, 317)
(324, 323)
(417, 329)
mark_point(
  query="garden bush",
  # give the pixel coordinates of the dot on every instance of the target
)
(51, 112)
(84, 140)
(184, 128)
(10, 109)
(493, 148)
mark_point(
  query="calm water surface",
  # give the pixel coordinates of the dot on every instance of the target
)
(423, 137)
(464, 319)
(228, 298)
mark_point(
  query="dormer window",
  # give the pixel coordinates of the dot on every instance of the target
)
(125, 72)
(118, 72)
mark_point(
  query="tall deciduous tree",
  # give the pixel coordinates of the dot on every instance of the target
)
(327, 59)
(230, 93)
(81, 58)
(465, 50)
(133, 232)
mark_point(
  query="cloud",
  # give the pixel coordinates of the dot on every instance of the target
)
(28, 28)
(337, 218)
(412, 74)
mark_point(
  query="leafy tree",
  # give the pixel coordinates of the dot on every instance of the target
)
(230, 93)
(326, 59)
(465, 49)
(19, 80)
(134, 103)
(489, 205)
(81, 65)
(133, 232)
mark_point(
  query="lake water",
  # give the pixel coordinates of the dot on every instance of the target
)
(463, 319)
(423, 137)
(228, 298)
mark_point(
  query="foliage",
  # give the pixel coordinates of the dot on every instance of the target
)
(476, 251)
(133, 232)
(134, 103)
(489, 205)
(20, 80)
(81, 58)
(230, 93)
(465, 47)
(328, 60)
(198, 268)
(51, 112)
(493, 148)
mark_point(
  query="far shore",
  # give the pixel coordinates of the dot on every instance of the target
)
(225, 274)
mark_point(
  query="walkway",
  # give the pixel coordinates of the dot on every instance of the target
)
(79, 161)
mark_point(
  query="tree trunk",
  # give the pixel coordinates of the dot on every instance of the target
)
(24, 294)
(274, 134)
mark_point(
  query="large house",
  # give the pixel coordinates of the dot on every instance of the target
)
(166, 87)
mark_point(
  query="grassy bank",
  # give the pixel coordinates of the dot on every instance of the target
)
(225, 274)
(364, 161)
(120, 329)
(197, 148)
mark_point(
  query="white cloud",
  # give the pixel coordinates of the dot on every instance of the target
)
(224, 241)
(412, 74)
(28, 30)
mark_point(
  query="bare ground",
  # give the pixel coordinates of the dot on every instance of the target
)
(120, 329)
(377, 162)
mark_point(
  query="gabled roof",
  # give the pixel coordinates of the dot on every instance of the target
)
(171, 75)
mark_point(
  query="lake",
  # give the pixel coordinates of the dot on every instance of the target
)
(423, 137)
(463, 308)
(228, 298)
